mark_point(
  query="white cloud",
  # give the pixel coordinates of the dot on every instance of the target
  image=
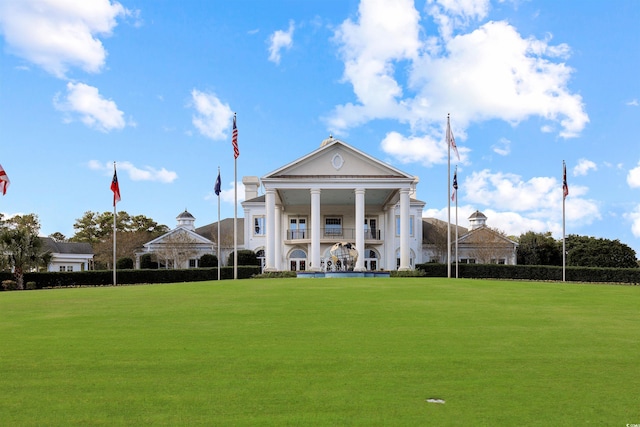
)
(212, 117)
(57, 35)
(502, 147)
(633, 103)
(452, 14)
(633, 177)
(399, 72)
(146, 173)
(583, 167)
(516, 206)
(420, 149)
(280, 40)
(539, 198)
(91, 108)
(634, 217)
(228, 196)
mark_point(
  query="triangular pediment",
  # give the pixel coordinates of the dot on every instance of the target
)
(337, 159)
(179, 234)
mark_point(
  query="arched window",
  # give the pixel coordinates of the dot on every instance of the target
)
(298, 260)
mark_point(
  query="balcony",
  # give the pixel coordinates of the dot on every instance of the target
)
(332, 234)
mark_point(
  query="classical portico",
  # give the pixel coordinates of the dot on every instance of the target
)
(335, 194)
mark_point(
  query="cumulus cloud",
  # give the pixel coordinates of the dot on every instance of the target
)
(399, 72)
(420, 149)
(85, 103)
(583, 167)
(212, 117)
(280, 40)
(146, 173)
(57, 35)
(539, 198)
(634, 217)
(633, 177)
(632, 103)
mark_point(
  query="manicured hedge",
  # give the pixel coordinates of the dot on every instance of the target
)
(129, 277)
(534, 272)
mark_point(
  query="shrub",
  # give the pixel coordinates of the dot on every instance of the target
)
(31, 286)
(124, 264)
(208, 260)
(245, 257)
(147, 263)
(9, 285)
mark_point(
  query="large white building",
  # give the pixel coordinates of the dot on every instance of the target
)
(334, 194)
(294, 215)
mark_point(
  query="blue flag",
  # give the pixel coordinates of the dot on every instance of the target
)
(218, 185)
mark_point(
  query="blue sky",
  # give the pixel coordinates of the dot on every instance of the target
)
(153, 85)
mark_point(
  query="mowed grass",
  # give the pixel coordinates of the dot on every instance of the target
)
(318, 352)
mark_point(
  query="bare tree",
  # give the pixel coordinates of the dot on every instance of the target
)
(177, 248)
(489, 245)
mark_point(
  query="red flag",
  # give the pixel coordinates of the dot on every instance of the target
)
(115, 187)
(234, 139)
(565, 186)
(4, 181)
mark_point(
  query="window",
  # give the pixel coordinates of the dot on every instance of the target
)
(333, 226)
(371, 228)
(298, 260)
(69, 267)
(192, 263)
(62, 268)
(411, 221)
(297, 228)
(259, 226)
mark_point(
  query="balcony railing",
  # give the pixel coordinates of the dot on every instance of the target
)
(333, 233)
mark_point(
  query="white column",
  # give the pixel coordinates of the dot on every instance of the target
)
(360, 228)
(270, 204)
(404, 230)
(277, 239)
(315, 229)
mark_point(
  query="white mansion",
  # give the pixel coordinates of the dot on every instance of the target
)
(336, 194)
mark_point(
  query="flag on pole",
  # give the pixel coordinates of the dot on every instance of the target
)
(455, 185)
(565, 186)
(451, 140)
(4, 181)
(115, 187)
(234, 139)
(218, 185)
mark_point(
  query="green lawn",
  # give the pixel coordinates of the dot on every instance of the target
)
(318, 352)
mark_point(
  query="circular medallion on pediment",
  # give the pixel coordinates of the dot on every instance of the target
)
(337, 161)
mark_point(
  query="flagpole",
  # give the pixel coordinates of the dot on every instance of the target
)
(235, 202)
(456, 174)
(448, 198)
(114, 231)
(564, 197)
(218, 251)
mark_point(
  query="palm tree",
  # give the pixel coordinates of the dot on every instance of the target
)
(22, 249)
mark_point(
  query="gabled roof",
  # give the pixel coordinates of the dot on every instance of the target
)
(210, 231)
(336, 158)
(471, 236)
(195, 236)
(435, 230)
(78, 248)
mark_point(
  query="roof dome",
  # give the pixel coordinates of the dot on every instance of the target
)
(185, 215)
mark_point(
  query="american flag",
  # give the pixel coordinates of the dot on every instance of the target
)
(115, 187)
(4, 181)
(565, 186)
(234, 139)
